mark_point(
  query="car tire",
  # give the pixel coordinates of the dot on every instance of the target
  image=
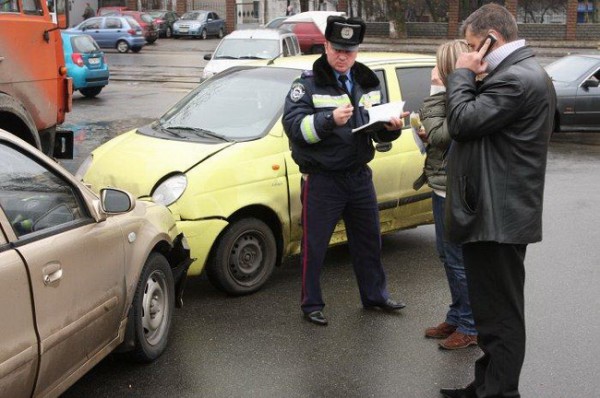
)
(90, 92)
(136, 49)
(151, 41)
(168, 32)
(221, 33)
(122, 46)
(244, 257)
(152, 308)
(203, 34)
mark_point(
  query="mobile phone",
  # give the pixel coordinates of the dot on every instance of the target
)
(492, 41)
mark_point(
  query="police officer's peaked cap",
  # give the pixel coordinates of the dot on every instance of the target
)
(345, 33)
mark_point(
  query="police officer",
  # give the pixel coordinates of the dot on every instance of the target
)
(321, 109)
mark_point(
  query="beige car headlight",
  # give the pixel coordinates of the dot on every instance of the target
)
(170, 190)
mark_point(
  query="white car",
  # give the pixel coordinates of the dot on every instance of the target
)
(244, 46)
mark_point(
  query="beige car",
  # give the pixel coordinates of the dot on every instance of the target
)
(80, 275)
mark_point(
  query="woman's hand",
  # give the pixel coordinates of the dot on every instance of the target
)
(396, 123)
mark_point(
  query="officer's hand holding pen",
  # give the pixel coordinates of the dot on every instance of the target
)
(396, 123)
(342, 114)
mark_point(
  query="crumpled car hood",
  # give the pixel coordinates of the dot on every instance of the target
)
(136, 162)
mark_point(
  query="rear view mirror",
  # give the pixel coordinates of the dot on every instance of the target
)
(591, 82)
(116, 201)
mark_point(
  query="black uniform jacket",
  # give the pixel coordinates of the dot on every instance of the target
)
(318, 145)
(497, 163)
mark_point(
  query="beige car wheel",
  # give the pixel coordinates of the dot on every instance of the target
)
(153, 308)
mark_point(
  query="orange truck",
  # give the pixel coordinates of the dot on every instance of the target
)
(35, 92)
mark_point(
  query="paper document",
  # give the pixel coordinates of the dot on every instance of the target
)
(415, 124)
(380, 115)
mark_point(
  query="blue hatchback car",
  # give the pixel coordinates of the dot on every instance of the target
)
(85, 63)
(113, 31)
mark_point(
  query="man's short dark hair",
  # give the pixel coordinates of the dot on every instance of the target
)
(492, 16)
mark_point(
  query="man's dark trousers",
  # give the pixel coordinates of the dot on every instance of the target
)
(327, 197)
(496, 281)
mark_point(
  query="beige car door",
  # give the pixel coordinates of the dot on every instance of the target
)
(18, 345)
(75, 266)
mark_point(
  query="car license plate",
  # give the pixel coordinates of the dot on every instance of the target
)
(183, 30)
(94, 61)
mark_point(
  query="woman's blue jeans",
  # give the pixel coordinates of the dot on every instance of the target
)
(459, 313)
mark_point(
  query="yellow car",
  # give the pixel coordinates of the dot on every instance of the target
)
(220, 160)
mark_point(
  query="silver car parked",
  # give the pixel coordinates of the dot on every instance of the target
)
(114, 31)
(199, 24)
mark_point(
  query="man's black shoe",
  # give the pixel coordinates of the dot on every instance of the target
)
(388, 305)
(316, 317)
(467, 392)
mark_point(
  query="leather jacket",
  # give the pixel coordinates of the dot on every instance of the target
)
(497, 164)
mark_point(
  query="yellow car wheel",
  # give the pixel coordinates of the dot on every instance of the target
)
(244, 257)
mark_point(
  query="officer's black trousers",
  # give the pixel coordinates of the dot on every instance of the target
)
(496, 280)
(325, 199)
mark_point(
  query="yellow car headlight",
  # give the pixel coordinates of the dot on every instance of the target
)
(85, 165)
(170, 189)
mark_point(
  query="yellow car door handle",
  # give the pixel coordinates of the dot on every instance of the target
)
(52, 273)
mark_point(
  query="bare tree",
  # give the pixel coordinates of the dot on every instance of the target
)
(534, 11)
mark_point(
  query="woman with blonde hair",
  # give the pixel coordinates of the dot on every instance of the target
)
(458, 329)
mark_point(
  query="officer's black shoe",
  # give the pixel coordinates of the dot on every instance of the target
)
(383, 146)
(467, 392)
(388, 305)
(316, 317)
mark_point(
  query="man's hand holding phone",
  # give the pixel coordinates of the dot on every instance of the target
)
(474, 60)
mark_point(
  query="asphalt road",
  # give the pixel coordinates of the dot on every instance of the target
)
(259, 345)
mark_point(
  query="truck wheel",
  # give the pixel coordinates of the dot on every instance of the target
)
(122, 46)
(152, 308)
(15, 119)
(90, 92)
(244, 257)
(203, 34)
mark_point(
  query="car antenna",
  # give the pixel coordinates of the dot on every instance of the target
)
(273, 59)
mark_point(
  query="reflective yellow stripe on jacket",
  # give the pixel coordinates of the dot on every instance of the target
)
(330, 101)
(308, 129)
(371, 98)
(334, 101)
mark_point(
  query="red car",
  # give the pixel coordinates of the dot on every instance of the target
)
(309, 27)
(310, 38)
(144, 19)
(102, 11)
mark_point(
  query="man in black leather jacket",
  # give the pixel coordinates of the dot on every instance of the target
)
(501, 128)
